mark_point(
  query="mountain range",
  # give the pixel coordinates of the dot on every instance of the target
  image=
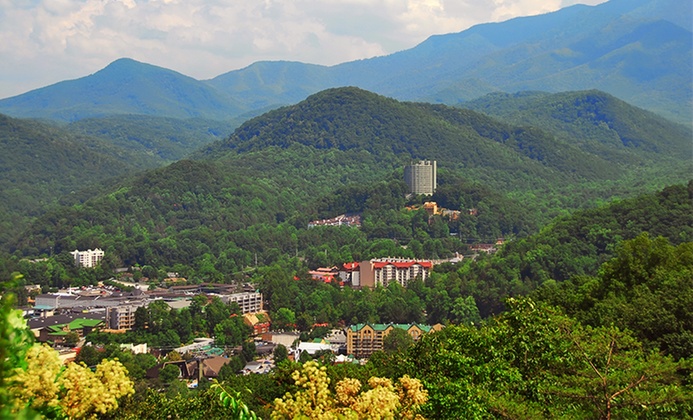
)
(636, 50)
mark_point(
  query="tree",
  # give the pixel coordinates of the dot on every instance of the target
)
(75, 392)
(280, 354)
(397, 341)
(248, 350)
(284, 319)
(71, 339)
(313, 399)
(141, 318)
(215, 313)
(169, 373)
(231, 332)
(533, 362)
(89, 355)
(465, 311)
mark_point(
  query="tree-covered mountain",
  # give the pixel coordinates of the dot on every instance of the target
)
(168, 139)
(578, 244)
(366, 126)
(40, 163)
(638, 51)
(595, 121)
(125, 87)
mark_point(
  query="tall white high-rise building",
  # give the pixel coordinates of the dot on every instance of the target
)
(421, 177)
(87, 258)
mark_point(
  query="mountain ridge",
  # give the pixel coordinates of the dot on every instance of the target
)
(634, 50)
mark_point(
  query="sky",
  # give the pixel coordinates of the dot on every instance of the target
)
(47, 41)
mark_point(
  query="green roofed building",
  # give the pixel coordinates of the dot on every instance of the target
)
(81, 326)
(365, 339)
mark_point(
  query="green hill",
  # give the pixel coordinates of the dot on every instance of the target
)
(595, 121)
(342, 149)
(40, 163)
(125, 87)
(577, 245)
(353, 121)
(168, 139)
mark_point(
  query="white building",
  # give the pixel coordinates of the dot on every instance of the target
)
(421, 177)
(87, 258)
(249, 302)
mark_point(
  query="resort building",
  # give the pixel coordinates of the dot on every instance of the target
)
(365, 339)
(383, 271)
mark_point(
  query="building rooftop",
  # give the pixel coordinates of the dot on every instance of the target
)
(383, 327)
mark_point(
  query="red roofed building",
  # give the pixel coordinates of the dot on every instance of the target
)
(349, 273)
(324, 274)
(386, 270)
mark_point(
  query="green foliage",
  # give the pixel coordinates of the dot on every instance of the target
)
(232, 402)
(224, 214)
(280, 354)
(15, 340)
(645, 288)
(40, 163)
(595, 121)
(533, 361)
(576, 245)
(168, 139)
(397, 341)
(169, 373)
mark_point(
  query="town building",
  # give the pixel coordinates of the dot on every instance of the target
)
(57, 333)
(362, 340)
(50, 301)
(349, 273)
(87, 258)
(249, 302)
(324, 274)
(341, 220)
(421, 177)
(260, 322)
(122, 317)
(383, 271)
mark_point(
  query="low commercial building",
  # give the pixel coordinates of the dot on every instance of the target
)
(80, 326)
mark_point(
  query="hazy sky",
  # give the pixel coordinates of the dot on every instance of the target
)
(47, 41)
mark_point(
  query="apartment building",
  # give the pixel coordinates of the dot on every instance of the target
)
(421, 177)
(122, 317)
(365, 339)
(383, 271)
(250, 302)
(87, 258)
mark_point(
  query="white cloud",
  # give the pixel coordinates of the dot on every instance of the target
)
(45, 41)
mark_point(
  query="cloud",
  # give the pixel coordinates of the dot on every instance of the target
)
(45, 41)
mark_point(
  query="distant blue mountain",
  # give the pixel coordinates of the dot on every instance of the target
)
(637, 50)
(124, 87)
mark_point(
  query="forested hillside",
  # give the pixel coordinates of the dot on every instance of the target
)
(238, 213)
(592, 120)
(41, 163)
(168, 139)
(578, 245)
